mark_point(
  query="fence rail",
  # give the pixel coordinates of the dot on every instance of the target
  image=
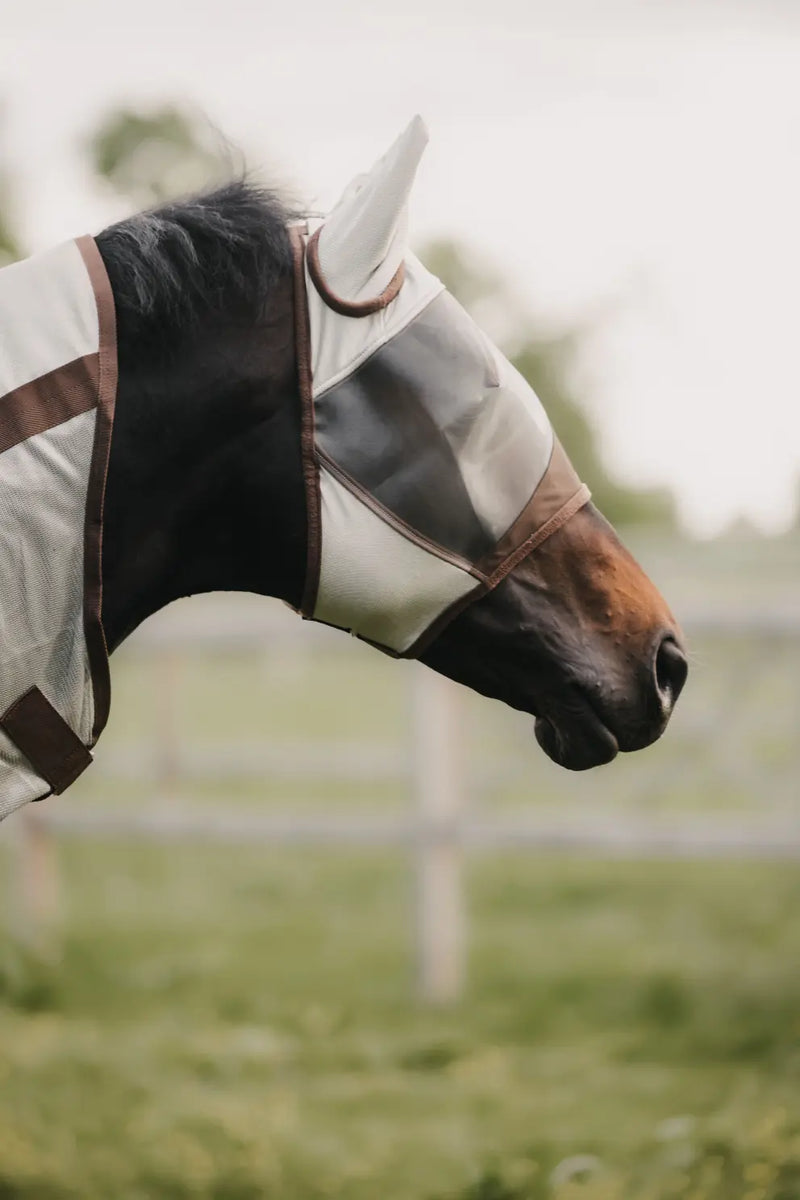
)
(642, 839)
(440, 824)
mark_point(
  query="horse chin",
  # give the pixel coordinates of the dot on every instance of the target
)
(576, 741)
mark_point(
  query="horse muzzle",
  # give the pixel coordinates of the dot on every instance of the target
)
(589, 725)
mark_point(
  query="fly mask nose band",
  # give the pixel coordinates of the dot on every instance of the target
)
(58, 377)
(430, 466)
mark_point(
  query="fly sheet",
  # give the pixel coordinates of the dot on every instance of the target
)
(431, 467)
(58, 369)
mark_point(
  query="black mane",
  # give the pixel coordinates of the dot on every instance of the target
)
(205, 453)
(215, 256)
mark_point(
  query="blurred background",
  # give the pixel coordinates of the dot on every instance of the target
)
(285, 939)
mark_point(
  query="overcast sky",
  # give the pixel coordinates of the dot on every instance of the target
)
(636, 163)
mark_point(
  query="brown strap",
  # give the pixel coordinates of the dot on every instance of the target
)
(302, 332)
(49, 400)
(53, 749)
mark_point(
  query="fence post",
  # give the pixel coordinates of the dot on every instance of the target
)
(165, 709)
(34, 881)
(438, 786)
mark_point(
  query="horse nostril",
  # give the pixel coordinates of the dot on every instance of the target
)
(671, 669)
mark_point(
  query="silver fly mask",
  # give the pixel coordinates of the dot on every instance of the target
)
(431, 467)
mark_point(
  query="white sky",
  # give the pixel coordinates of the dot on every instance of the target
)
(636, 160)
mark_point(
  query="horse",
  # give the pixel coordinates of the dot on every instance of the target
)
(216, 469)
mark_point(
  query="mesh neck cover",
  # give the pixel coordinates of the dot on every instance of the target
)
(431, 468)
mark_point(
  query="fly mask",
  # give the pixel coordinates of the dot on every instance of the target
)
(58, 372)
(430, 466)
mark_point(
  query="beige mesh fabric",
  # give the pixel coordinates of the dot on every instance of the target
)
(48, 315)
(364, 239)
(49, 347)
(375, 579)
(43, 484)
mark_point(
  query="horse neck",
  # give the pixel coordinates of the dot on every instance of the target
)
(204, 487)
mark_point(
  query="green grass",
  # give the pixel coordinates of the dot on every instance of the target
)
(230, 1023)
(237, 1023)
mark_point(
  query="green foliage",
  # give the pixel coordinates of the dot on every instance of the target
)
(28, 978)
(150, 157)
(546, 364)
(10, 249)
(9, 246)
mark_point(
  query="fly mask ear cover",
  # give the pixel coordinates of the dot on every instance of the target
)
(431, 468)
(58, 380)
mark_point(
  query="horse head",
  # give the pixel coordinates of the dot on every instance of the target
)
(446, 521)
(304, 412)
(217, 396)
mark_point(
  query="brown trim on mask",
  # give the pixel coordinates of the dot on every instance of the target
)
(576, 502)
(50, 745)
(106, 395)
(302, 334)
(532, 525)
(350, 308)
(539, 515)
(419, 398)
(395, 522)
(450, 613)
(48, 401)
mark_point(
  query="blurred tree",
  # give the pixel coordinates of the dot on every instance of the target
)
(10, 248)
(546, 364)
(150, 157)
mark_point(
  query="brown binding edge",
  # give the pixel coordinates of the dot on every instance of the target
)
(507, 564)
(567, 510)
(48, 742)
(559, 479)
(505, 568)
(95, 495)
(485, 583)
(349, 308)
(450, 613)
(302, 334)
(393, 521)
(48, 400)
(433, 630)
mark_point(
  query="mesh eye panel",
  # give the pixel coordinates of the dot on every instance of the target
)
(440, 430)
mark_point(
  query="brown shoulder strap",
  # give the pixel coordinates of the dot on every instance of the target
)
(53, 749)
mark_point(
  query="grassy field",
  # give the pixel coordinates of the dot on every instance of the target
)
(237, 1023)
(228, 1024)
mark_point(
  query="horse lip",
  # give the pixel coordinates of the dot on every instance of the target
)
(576, 740)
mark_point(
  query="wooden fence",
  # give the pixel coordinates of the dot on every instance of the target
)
(438, 826)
